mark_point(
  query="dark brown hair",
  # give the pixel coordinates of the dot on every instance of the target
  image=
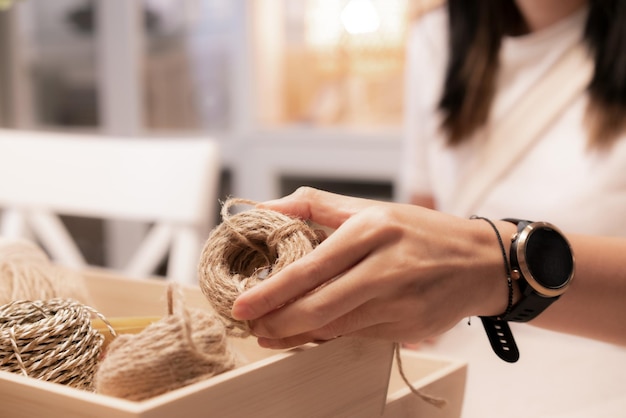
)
(476, 31)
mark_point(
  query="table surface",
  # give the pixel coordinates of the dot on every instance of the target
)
(557, 376)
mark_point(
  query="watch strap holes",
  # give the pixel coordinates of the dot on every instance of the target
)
(501, 339)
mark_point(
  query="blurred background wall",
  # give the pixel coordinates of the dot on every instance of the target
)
(297, 92)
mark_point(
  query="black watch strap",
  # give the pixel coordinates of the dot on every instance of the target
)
(501, 338)
(533, 305)
(541, 259)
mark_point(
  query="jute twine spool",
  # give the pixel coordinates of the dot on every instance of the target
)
(245, 249)
(26, 273)
(180, 349)
(50, 340)
(251, 246)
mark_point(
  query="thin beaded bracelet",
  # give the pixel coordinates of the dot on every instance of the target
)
(507, 267)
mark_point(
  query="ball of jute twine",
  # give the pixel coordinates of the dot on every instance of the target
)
(251, 246)
(51, 340)
(186, 346)
(245, 249)
(26, 273)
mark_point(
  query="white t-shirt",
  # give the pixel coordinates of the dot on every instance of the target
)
(560, 180)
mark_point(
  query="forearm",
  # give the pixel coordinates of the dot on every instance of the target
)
(595, 304)
(426, 201)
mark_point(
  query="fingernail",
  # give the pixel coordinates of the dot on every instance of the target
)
(241, 312)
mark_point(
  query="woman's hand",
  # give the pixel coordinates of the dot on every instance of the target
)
(391, 271)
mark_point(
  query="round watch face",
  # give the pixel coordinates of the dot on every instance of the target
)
(549, 258)
(545, 258)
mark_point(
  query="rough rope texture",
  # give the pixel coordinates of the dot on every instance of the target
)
(433, 400)
(180, 349)
(245, 249)
(50, 340)
(26, 273)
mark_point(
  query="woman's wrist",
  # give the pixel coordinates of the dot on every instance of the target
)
(494, 291)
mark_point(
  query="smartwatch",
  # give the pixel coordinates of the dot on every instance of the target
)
(542, 263)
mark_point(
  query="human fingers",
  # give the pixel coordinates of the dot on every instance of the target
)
(324, 208)
(388, 319)
(383, 318)
(382, 272)
(333, 257)
(355, 321)
(385, 331)
(338, 303)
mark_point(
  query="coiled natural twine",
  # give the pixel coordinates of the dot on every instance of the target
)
(26, 273)
(50, 340)
(245, 249)
(185, 347)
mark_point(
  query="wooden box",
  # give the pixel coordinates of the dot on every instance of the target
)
(436, 376)
(346, 377)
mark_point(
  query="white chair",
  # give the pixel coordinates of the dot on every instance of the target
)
(172, 184)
